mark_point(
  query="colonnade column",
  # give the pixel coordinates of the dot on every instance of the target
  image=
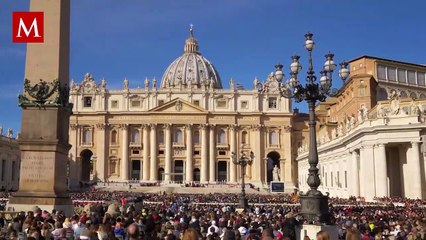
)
(212, 160)
(99, 168)
(153, 152)
(381, 171)
(189, 154)
(168, 158)
(145, 165)
(353, 167)
(413, 162)
(233, 149)
(204, 154)
(286, 169)
(125, 153)
(367, 183)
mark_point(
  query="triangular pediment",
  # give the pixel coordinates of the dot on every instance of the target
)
(178, 105)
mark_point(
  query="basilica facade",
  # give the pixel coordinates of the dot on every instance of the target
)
(184, 128)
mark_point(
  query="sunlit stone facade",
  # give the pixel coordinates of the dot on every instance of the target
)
(9, 160)
(182, 129)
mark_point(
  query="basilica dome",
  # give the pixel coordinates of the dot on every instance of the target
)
(191, 70)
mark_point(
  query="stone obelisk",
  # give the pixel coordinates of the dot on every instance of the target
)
(45, 114)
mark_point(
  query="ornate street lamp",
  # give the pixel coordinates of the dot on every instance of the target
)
(314, 204)
(243, 161)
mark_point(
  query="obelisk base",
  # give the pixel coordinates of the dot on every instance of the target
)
(312, 230)
(27, 202)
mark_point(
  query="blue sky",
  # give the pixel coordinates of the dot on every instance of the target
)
(243, 38)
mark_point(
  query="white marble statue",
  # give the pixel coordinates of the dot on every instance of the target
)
(340, 130)
(364, 112)
(72, 84)
(360, 117)
(414, 109)
(231, 84)
(255, 83)
(276, 173)
(352, 122)
(9, 132)
(380, 110)
(394, 103)
(211, 83)
(126, 83)
(154, 83)
(348, 125)
(146, 83)
(327, 137)
(103, 84)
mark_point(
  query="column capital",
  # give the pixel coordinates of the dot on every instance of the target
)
(152, 125)
(124, 126)
(145, 126)
(167, 126)
(188, 126)
(367, 146)
(232, 127)
(204, 126)
(74, 126)
(415, 143)
(102, 126)
(257, 127)
(287, 128)
(380, 145)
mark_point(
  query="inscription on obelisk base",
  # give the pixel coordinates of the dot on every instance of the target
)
(45, 115)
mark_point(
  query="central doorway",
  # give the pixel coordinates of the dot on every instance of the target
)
(86, 165)
(178, 168)
(136, 169)
(222, 171)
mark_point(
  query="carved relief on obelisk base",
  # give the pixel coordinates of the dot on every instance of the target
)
(45, 114)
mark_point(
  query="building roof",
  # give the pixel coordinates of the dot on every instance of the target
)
(387, 60)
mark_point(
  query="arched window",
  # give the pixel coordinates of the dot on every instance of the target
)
(161, 137)
(196, 137)
(178, 137)
(422, 96)
(135, 138)
(221, 137)
(244, 137)
(403, 94)
(382, 94)
(413, 95)
(273, 138)
(114, 137)
(87, 137)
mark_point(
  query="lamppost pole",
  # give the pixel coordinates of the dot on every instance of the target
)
(243, 161)
(314, 205)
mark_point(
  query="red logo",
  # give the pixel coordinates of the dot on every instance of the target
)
(28, 27)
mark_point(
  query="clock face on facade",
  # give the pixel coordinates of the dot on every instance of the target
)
(273, 86)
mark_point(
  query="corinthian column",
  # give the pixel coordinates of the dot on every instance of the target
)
(354, 173)
(413, 161)
(212, 159)
(189, 154)
(153, 151)
(381, 171)
(204, 154)
(169, 150)
(125, 153)
(101, 142)
(258, 152)
(233, 148)
(146, 165)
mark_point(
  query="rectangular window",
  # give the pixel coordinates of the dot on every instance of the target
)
(402, 77)
(421, 78)
(196, 152)
(114, 104)
(196, 102)
(221, 103)
(244, 104)
(362, 91)
(346, 179)
(3, 169)
(87, 102)
(381, 72)
(136, 103)
(160, 102)
(222, 153)
(135, 152)
(160, 152)
(391, 74)
(411, 77)
(272, 103)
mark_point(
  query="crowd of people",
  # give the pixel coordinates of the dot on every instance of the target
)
(113, 215)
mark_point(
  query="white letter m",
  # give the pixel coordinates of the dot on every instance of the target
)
(27, 31)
